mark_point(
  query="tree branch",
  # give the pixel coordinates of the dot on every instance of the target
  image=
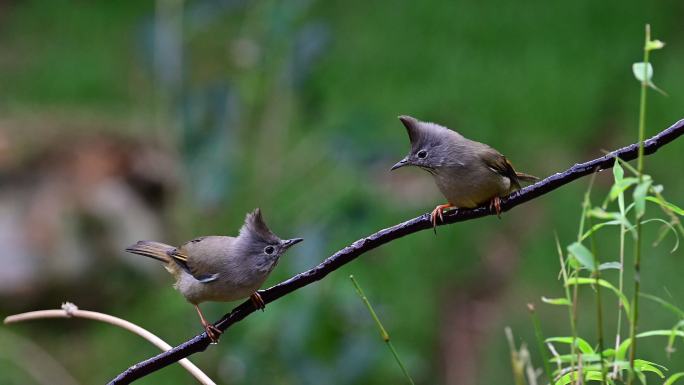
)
(199, 343)
(69, 310)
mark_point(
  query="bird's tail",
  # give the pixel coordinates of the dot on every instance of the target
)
(526, 177)
(151, 249)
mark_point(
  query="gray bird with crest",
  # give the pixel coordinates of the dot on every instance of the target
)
(468, 173)
(221, 268)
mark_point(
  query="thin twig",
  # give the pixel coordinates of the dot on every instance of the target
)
(383, 333)
(69, 310)
(201, 342)
(539, 335)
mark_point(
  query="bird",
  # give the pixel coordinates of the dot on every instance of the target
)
(221, 268)
(468, 173)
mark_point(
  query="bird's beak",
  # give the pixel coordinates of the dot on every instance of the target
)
(291, 242)
(401, 163)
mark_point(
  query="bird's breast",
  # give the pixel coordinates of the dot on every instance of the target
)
(467, 187)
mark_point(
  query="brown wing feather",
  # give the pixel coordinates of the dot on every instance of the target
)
(497, 162)
(185, 262)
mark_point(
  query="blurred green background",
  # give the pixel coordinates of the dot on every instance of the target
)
(167, 120)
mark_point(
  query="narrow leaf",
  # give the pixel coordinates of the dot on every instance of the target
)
(604, 283)
(673, 378)
(674, 208)
(581, 343)
(640, 196)
(583, 255)
(618, 171)
(556, 301)
(610, 265)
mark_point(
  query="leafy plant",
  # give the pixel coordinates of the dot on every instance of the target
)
(625, 207)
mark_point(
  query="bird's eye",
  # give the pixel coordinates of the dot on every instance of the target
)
(422, 154)
(269, 250)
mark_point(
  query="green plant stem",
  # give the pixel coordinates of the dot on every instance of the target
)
(620, 288)
(586, 205)
(571, 300)
(540, 342)
(637, 242)
(599, 309)
(383, 333)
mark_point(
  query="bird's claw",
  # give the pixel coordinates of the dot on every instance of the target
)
(213, 332)
(495, 206)
(438, 212)
(257, 301)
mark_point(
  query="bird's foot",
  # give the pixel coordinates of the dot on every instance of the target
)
(257, 301)
(438, 212)
(212, 331)
(495, 206)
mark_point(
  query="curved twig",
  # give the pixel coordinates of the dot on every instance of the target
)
(70, 310)
(200, 342)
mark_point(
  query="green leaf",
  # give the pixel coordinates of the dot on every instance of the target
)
(647, 366)
(675, 209)
(654, 44)
(624, 346)
(640, 196)
(610, 265)
(674, 309)
(643, 72)
(618, 171)
(604, 283)
(620, 187)
(593, 375)
(566, 379)
(598, 226)
(586, 358)
(581, 343)
(640, 70)
(556, 301)
(583, 255)
(673, 378)
(669, 226)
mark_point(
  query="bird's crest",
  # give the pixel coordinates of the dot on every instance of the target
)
(425, 133)
(256, 227)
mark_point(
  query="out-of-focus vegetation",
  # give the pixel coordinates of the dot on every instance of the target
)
(170, 119)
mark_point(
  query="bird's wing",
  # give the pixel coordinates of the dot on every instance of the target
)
(183, 257)
(500, 165)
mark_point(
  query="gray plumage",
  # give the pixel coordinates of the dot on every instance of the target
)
(468, 173)
(221, 268)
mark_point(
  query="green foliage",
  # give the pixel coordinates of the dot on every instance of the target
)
(615, 365)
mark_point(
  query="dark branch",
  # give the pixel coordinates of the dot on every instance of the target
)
(199, 343)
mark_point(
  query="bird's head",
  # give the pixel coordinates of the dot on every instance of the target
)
(430, 144)
(259, 240)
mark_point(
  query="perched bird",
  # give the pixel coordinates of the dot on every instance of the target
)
(468, 173)
(221, 268)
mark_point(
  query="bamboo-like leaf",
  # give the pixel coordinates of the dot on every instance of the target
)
(604, 283)
(624, 346)
(647, 366)
(610, 265)
(670, 227)
(618, 171)
(581, 343)
(670, 206)
(556, 301)
(583, 255)
(640, 196)
(673, 378)
(620, 187)
(674, 309)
